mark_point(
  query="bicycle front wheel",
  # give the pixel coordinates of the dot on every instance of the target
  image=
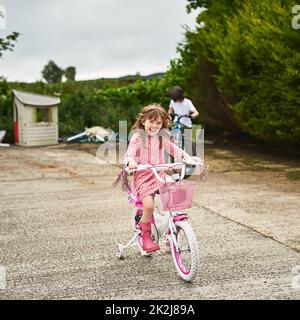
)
(185, 255)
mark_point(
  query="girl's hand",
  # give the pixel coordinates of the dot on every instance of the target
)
(132, 165)
(193, 160)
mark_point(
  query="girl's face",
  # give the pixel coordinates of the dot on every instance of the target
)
(152, 126)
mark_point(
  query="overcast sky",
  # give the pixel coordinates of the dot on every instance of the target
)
(101, 38)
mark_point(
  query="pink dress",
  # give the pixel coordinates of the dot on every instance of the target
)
(145, 182)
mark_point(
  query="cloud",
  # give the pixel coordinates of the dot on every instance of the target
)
(100, 38)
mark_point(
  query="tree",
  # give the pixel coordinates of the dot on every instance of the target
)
(8, 43)
(70, 73)
(6, 116)
(242, 69)
(52, 73)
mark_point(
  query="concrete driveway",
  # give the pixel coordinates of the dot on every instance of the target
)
(60, 221)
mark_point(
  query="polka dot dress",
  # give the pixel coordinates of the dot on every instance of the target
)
(150, 151)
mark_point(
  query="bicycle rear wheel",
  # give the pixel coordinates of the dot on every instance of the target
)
(185, 255)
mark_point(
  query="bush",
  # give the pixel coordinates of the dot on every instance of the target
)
(243, 68)
(6, 110)
(86, 105)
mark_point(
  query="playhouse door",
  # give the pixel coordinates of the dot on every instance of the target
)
(16, 125)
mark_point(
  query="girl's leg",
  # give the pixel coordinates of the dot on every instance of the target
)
(148, 208)
(145, 224)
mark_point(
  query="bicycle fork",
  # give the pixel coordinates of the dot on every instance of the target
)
(173, 230)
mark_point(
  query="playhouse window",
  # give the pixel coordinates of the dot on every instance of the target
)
(43, 115)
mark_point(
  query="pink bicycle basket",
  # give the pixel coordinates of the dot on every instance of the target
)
(177, 195)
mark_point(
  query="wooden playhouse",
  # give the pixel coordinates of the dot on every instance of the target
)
(35, 119)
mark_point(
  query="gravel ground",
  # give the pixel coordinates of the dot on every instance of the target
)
(60, 221)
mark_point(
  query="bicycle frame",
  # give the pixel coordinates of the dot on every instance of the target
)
(178, 128)
(172, 227)
(173, 224)
(171, 216)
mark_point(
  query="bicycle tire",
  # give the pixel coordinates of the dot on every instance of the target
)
(187, 274)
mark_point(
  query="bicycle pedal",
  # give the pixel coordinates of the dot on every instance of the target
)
(138, 218)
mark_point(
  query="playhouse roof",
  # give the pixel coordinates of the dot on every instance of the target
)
(33, 99)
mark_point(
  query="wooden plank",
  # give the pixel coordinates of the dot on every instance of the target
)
(42, 134)
(43, 128)
(37, 144)
(41, 139)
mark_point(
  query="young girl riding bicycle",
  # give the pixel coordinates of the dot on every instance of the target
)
(147, 146)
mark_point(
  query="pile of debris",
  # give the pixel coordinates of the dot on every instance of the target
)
(93, 135)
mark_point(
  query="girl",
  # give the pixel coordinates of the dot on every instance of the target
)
(147, 146)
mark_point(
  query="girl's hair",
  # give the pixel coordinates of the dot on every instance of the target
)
(177, 93)
(152, 112)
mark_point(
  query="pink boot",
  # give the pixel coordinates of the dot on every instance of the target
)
(148, 244)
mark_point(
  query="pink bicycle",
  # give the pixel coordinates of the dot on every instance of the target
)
(176, 194)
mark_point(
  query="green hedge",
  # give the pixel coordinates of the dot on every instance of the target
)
(6, 110)
(242, 68)
(88, 104)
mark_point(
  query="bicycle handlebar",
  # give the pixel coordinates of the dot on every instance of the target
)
(179, 117)
(159, 167)
(165, 166)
